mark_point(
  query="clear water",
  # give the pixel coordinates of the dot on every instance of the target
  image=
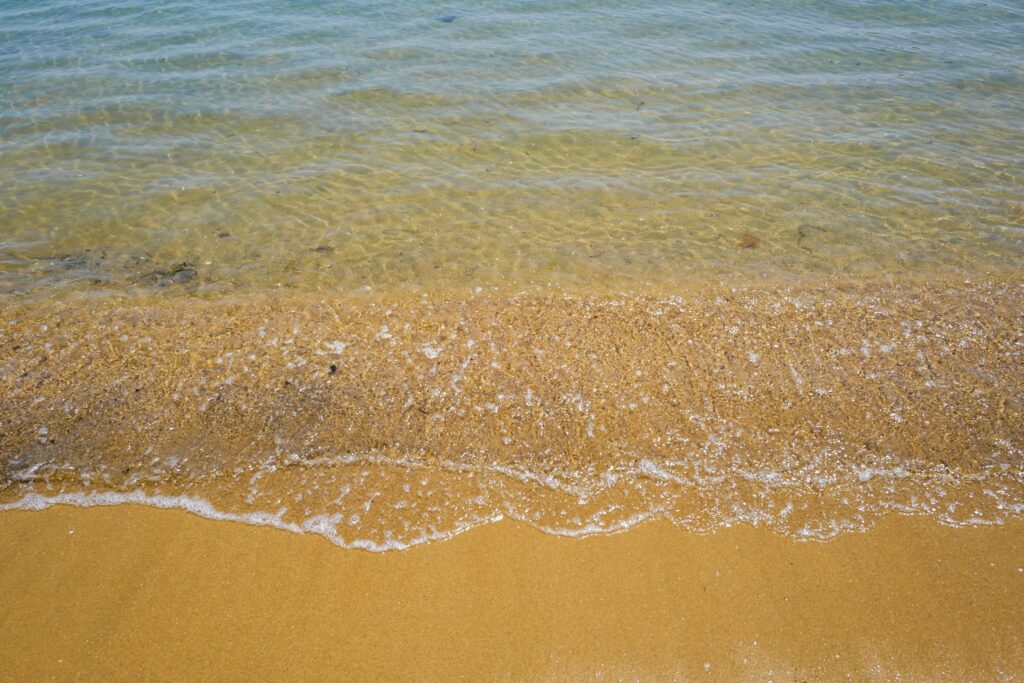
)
(602, 144)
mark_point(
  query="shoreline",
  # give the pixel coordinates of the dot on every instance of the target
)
(132, 592)
(813, 410)
(807, 410)
(731, 278)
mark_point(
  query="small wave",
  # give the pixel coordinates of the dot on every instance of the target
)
(810, 411)
(398, 524)
(203, 508)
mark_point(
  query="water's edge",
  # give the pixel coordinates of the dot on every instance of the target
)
(809, 410)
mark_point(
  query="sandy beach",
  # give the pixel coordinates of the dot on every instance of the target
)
(133, 593)
(603, 340)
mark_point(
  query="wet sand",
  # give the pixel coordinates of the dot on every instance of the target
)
(133, 593)
(382, 423)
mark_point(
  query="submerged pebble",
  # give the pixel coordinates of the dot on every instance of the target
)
(748, 241)
(181, 274)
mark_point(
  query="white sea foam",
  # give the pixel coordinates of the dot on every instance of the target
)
(379, 502)
(337, 347)
(856, 511)
(320, 525)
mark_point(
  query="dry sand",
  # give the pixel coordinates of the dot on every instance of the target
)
(133, 593)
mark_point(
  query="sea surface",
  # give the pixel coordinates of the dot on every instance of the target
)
(336, 145)
(385, 271)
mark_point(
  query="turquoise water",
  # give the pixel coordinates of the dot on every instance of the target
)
(337, 145)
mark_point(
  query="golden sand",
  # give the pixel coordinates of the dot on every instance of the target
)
(808, 409)
(134, 593)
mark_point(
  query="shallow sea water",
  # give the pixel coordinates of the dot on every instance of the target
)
(384, 271)
(594, 144)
